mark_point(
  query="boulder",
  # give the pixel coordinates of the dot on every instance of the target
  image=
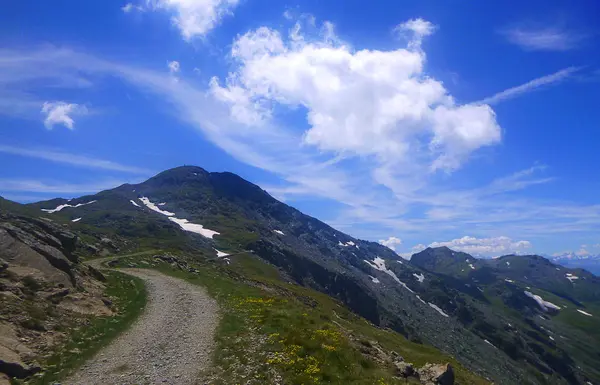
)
(436, 374)
(3, 265)
(404, 369)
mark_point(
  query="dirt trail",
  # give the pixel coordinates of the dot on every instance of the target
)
(170, 342)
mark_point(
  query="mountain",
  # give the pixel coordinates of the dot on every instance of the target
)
(590, 263)
(516, 319)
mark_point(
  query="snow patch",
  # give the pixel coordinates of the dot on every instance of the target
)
(350, 243)
(379, 264)
(278, 232)
(419, 298)
(509, 280)
(584, 313)
(507, 263)
(154, 207)
(488, 342)
(221, 254)
(133, 203)
(76, 219)
(400, 262)
(375, 280)
(571, 277)
(194, 227)
(552, 338)
(545, 305)
(471, 266)
(434, 306)
(419, 277)
(162, 204)
(183, 223)
(60, 207)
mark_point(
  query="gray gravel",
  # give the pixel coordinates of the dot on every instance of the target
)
(170, 343)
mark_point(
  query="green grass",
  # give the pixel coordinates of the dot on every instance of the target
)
(272, 330)
(129, 298)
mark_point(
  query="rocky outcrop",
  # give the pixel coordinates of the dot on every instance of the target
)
(436, 374)
(39, 245)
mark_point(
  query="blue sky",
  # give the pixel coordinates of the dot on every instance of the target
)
(468, 124)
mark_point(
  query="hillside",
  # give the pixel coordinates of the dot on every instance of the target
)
(477, 311)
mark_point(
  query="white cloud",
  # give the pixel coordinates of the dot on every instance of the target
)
(375, 196)
(485, 246)
(415, 30)
(61, 113)
(193, 18)
(391, 242)
(542, 38)
(174, 66)
(358, 102)
(531, 85)
(72, 159)
(38, 186)
(131, 7)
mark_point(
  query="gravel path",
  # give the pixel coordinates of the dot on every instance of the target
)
(169, 344)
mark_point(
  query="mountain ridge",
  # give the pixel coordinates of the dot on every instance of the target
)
(440, 290)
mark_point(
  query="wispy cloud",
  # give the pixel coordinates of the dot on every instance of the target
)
(531, 86)
(402, 197)
(72, 159)
(37, 186)
(542, 38)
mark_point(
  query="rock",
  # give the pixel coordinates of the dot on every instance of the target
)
(55, 296)
(11, 364)
(436, 374)
(404, 369)
(4, 380)
(96, 274)
(3, 265)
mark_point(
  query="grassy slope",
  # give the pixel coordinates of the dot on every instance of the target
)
(274, 330)
(129, 298)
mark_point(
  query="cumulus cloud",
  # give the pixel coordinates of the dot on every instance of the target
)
(535, 38)
(485, 246)
(358, 102)
(391, 242)
(61, 113)
(193, 18)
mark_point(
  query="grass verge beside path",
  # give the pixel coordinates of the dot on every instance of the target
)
(128, 296)
(272, 331)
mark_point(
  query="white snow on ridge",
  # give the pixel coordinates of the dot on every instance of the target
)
(60, 207)
(183, 223)
(194, 228)
(133, 203)
(419, 277)
(375, 280)
(220, 254)
(543, 304)
(584, 313)
(278, 232)
(154, 207)
(419, 298)
(76, 219)
(438, 309)
(379, 264)
(571, 277)
(350, 243)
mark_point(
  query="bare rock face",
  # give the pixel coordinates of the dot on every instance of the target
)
(40, 245)
(436, 374)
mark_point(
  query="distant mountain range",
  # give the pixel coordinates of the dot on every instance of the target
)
(514, 319)
(588, 262)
